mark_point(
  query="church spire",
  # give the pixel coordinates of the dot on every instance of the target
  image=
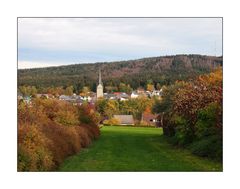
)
(100, 77)
(100, 86)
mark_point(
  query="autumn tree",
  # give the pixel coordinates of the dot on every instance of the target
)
(28, 90)
(166, 103)
(69, 91)
(135, 107)
(198, 94)
(150, 87)
(158, 86)
(85, 90)
(195, 115)
(56, 91)
(125, 88)
(112, 107)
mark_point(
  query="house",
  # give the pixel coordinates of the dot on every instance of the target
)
(68, 98)
(64, 97)
(140, 90)
(156, 93)
(121, 96)
(134, 95)
(116, 93)
(116, 96)
(125, 119)
(149, 119)
(92, 94)
(79, 101)
(110, 96)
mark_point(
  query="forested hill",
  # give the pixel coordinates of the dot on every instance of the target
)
(163, 70)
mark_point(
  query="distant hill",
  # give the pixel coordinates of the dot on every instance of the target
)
(163, 70)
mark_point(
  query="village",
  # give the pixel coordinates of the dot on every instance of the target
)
(91, 98)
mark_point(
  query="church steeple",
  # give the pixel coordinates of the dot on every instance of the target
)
(100, 77)
(100, 85)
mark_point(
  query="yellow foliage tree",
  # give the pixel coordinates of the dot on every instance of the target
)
(150, 87)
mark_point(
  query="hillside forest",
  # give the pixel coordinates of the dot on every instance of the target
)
(119, 76)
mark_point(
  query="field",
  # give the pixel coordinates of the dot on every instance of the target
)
(136, 149)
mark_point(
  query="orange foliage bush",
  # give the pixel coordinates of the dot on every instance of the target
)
(33, 152)
(50, 130)
(194, 96)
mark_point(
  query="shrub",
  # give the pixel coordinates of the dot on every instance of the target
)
(86, 136)
(183, 133)
(31, 114)
(33, 152)
(208, 147)
(87, 115)
(197, 95)
(193, 114)
(143, 123)
(112, 121)
(168, 126)
(46, 138)
(209, 121)
(209, 132)
(65, 117)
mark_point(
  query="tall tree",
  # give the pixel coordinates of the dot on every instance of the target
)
(28, 90)
(69, 91)
(125, 88)
(85, 91)
(158, 86)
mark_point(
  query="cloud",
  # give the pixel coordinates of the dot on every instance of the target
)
(98, 39)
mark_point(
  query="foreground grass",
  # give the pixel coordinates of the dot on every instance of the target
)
(136, 149)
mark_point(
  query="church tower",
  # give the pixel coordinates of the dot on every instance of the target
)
(100, 86)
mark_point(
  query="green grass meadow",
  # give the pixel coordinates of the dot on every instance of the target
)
(136, 149)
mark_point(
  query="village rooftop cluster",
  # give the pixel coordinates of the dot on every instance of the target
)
(91, 97)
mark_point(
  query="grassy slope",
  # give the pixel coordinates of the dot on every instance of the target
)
(136, 149)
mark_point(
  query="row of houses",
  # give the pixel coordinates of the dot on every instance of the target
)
(91, 96)
(135, 94)
(77, 99)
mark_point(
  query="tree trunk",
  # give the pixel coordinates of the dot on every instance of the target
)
(162, 119)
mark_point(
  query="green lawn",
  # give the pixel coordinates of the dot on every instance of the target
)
(135, 149)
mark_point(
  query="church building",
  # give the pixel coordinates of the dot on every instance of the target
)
(100, 86)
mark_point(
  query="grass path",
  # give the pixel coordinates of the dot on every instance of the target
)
(135, 149)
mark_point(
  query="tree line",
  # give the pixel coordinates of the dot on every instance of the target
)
(134, 73)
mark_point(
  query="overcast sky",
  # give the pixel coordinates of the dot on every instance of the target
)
(61, 41)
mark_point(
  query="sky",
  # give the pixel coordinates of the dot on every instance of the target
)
(44, 42)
